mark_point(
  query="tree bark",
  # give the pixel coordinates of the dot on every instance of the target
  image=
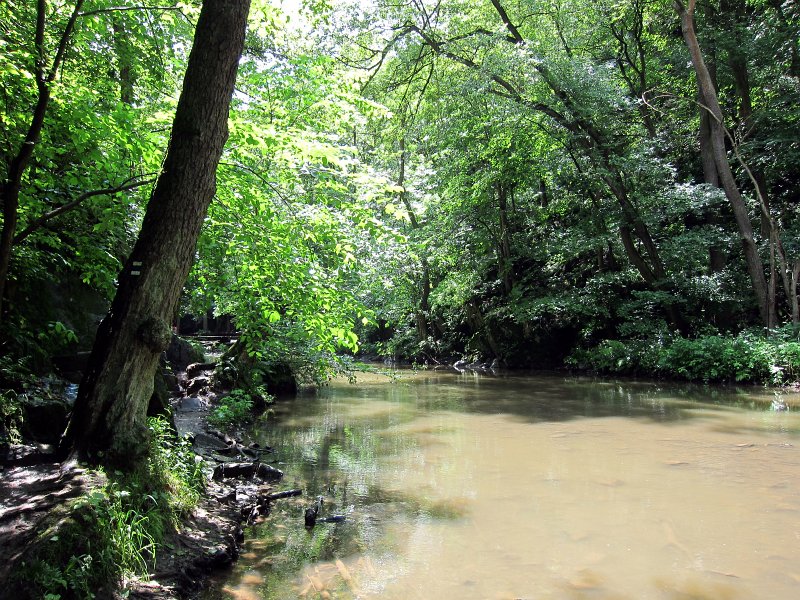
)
(126, 72)
(755, 268)
(108, 423)
(717, 256)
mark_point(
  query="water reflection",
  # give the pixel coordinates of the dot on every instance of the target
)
(457, 486)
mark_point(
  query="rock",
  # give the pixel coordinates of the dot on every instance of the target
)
(193, 386)
(246, 470)
(227, 470)
(172, 381)
(203, 440)
(268, 473)
(71, 366)
(43, 419)
(180, 354)
(191, 404)
(477, 365)
(223, 436)
(194, 369)
(159, 401)
(220, 559)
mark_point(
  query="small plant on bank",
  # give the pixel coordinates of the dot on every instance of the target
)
(236, 408)
(10, 418)
(102, 540)
(175, 471)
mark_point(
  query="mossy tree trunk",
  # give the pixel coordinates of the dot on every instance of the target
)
(108, 424)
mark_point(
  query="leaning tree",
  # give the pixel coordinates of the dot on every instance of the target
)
(108, 422)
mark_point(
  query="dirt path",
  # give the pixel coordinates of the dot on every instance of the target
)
(31, 496)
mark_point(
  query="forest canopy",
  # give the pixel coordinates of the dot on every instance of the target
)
(600, 183)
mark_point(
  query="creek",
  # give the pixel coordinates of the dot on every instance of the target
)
(471, 486)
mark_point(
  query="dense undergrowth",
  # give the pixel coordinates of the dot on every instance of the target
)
(115, 531)
(746, 357)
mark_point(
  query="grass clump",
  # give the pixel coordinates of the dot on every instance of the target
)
(114, 531)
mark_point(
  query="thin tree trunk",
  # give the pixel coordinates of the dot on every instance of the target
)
(793, 294)
(717, 257)
(11, 188)
(108, 423)
(506, 276)
(755, 268)
(422, 310)
(124, 52)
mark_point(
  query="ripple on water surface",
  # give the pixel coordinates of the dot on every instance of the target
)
(522, 487)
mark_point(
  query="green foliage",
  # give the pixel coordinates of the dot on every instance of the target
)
(233, 410)
(476, 205)
(114, 531)
(58, 336)
(10, 418)
(175, 479)
(745, 358)
(281, 247)
(103, 540)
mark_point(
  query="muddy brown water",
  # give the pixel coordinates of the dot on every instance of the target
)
(465, 486)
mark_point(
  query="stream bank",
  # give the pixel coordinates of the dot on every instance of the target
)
(240, 488)
(39, 492)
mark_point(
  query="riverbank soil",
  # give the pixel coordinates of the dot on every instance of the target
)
(35, 500)
(33, 497)
(36, 494)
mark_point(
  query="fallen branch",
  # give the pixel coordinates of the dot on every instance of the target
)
(284, 494)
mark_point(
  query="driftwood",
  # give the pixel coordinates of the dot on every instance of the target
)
(261, 507)
(284, 494)
(332, 519)
(311, 515)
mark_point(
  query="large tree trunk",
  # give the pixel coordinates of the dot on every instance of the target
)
(755, 267)
(109, 419)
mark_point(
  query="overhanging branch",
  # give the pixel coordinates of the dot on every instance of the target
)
(60, 210)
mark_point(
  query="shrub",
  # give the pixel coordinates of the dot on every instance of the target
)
(234, 409)
(10, 418)
(746, 357)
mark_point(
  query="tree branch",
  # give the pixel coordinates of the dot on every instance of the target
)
(512, 29)
(270, 184)
(60, 210)
(112, 9)
(64, 41)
